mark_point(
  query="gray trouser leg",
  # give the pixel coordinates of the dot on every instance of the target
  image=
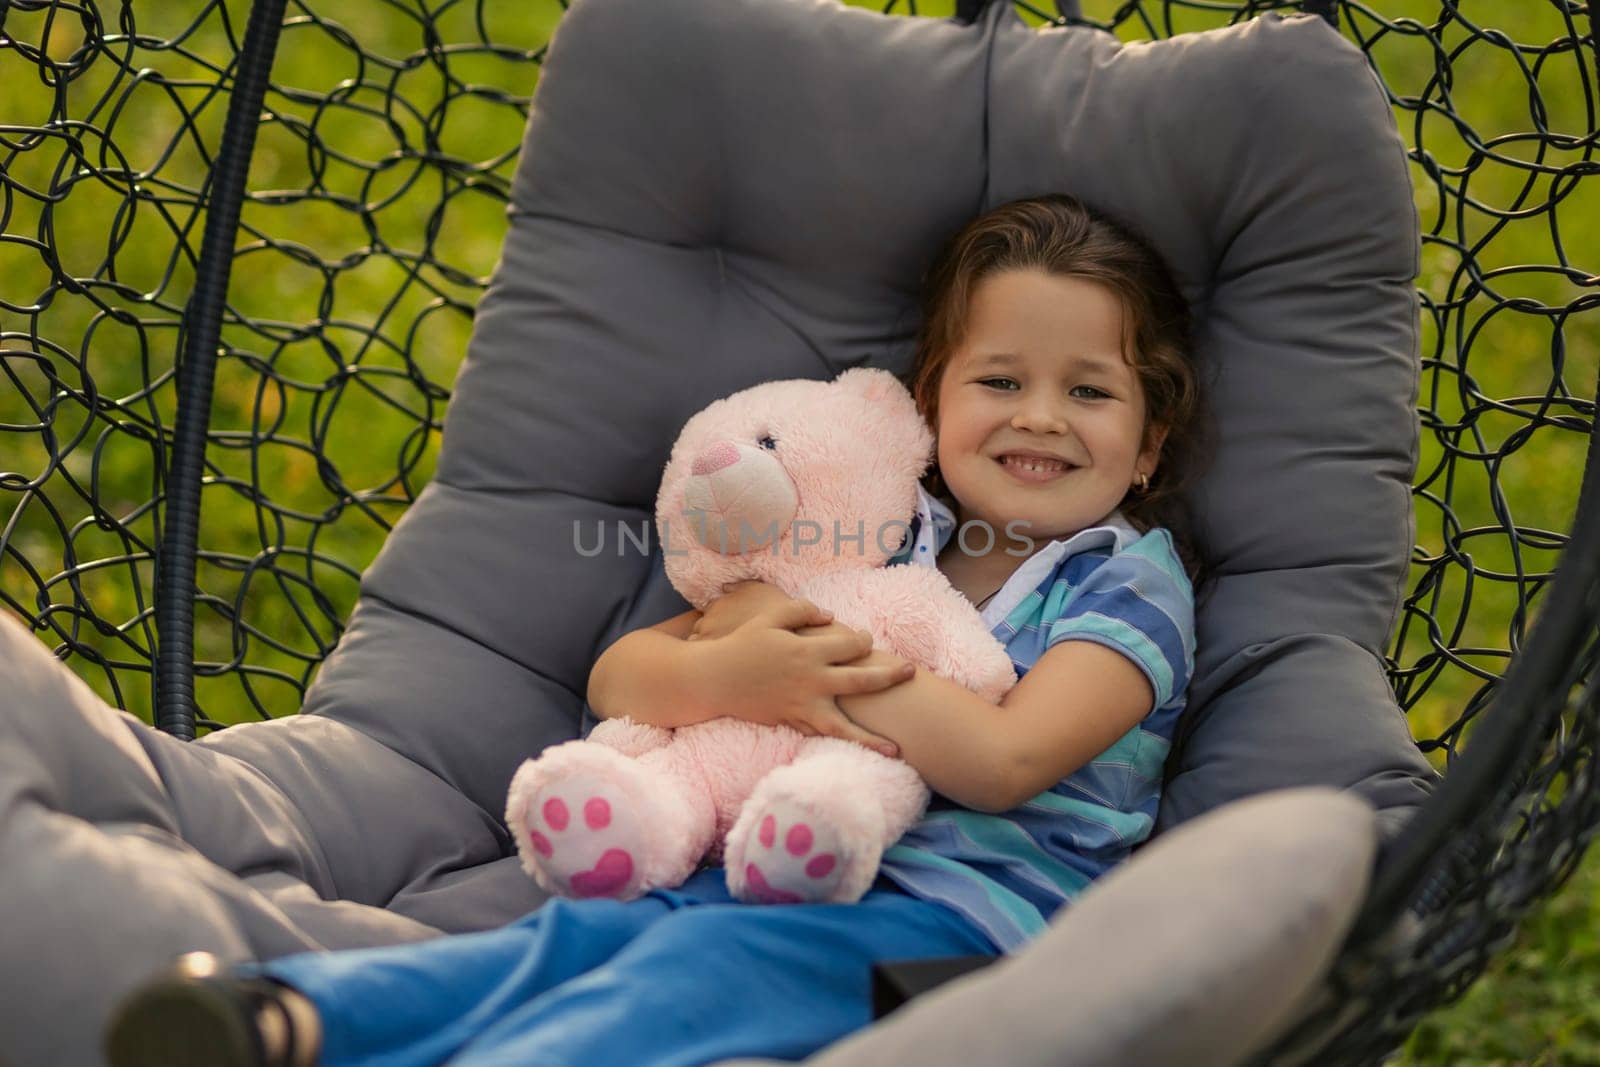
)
(99, 883)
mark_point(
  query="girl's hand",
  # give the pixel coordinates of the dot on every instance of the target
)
(743, 601)
(766, 673)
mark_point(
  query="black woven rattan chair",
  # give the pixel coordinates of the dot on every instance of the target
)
(152, 409)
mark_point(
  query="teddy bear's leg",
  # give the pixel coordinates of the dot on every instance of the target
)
(816, 829)
(629, 737)
(590, 821)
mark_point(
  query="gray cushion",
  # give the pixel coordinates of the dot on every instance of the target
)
(1199, 951)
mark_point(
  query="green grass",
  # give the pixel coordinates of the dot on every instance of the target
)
(1534, 1005)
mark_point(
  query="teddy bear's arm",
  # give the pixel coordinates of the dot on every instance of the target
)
(915, 613)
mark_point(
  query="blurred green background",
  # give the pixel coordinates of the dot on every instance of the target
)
(372, 227)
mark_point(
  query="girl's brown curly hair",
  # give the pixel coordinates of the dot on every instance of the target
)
(1059, 234)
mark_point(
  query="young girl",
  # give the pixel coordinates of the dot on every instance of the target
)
(1053, 366)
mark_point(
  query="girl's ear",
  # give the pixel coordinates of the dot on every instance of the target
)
(1150, 455)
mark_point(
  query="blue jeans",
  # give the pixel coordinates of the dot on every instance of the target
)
(677, 977)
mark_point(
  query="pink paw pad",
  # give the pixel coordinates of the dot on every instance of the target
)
(795, 868)
(591, 856)
(555, 814)
(768, 894)
(607, 877)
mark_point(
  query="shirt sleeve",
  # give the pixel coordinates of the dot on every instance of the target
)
(1138, 602)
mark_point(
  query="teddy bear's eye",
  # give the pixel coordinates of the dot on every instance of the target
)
(767, 442)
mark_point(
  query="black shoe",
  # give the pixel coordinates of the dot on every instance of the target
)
(196, 1014)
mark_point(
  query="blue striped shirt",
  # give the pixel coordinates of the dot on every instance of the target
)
(1008, 873)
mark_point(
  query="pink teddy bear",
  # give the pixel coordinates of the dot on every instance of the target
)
(773, 483)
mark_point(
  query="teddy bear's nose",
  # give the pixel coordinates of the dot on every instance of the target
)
(720, 455)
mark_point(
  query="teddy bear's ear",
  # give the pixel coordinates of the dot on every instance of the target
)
(875, 384)
(892, 404)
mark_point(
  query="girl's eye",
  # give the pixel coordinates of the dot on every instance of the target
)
(1006, 381)
(767, 442)
(1097, 393)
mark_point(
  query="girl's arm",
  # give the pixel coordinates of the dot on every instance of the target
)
(739, 603)
(643, 675)
(780, 667)
(1073, 705)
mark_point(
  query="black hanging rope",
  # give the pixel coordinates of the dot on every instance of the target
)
(202, 332)
(969, 10)
(1325, 9)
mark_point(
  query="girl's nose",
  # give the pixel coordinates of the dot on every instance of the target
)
(1040, 416)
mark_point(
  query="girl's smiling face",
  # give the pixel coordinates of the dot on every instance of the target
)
(1041, 373)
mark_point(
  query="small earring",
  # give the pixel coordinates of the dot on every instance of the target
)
(1144, 483)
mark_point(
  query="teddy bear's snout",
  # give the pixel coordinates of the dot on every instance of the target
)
(738, 498)
(722, 454)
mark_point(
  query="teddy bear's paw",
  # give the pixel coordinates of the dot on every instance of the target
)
(792, 857)
(587, 839)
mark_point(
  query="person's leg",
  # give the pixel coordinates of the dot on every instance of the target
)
(412, 1004)
(104, 878)
(723, 979)
(418, 1004)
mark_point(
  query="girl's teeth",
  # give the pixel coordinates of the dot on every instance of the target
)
(1034, 464)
